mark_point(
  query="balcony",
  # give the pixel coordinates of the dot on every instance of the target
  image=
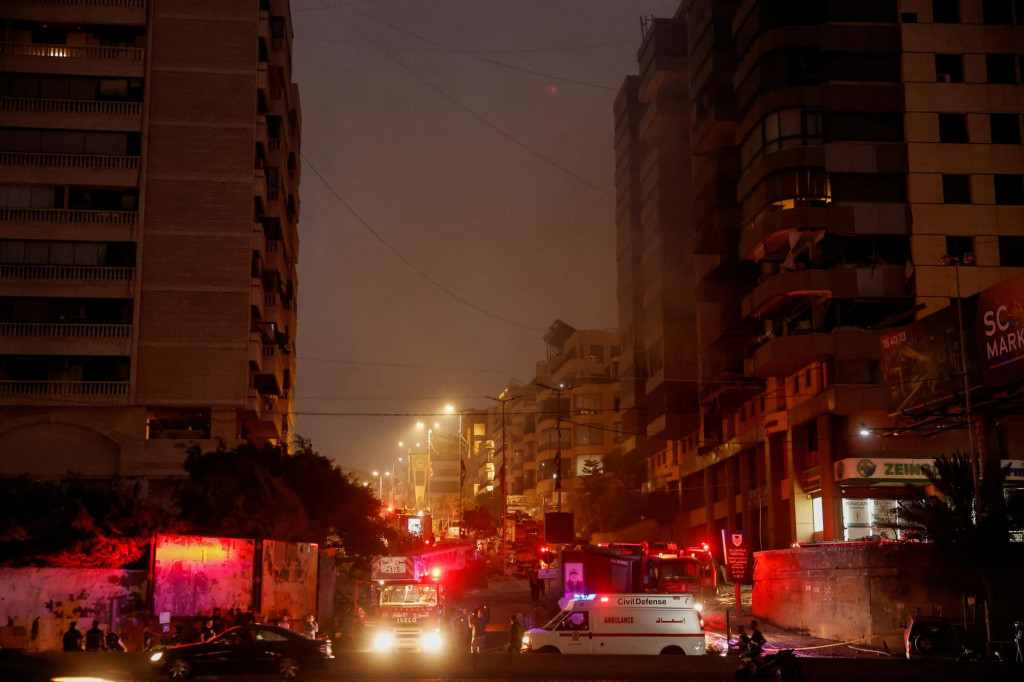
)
(99, 60)
(55, 280)
(784, 355)
(46, 338)
(849, 282)
(102, 12)
(662, 57)
(275, 259)
(69, 169)
(14, 392)
(75, 114)
(63, 224)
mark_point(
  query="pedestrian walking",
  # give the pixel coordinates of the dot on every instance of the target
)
(72, 638)
(515, 636)
(1018, 639)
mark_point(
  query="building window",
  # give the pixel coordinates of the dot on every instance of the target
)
(586, 403)
(956, 189)
(961, 248)
(597, 354)
(1000, 68)
(1009, 189)
(619, 434)
(946, 11)
(949, 68)
(997, 11)
(1011, 252)
(1005, 128)
(953, 128)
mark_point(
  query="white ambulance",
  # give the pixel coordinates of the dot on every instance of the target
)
(622, 624)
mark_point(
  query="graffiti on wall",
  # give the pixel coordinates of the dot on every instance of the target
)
(38, 604)
(194, 574)
(289, 579)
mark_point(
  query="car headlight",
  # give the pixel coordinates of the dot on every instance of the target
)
(698, 607)
(383, 641)
(431, 641)
(157, 656)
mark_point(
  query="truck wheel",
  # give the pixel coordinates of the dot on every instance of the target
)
(672, 651)
(548, 650)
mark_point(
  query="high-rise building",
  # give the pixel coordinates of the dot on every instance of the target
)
(149, 172)
(835, 158)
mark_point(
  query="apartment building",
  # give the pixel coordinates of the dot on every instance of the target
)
(568, 412)
(148, 205)
(841, 155)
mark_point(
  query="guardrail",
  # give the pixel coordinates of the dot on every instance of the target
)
(60, 215)
(130, 54)
(63, 388)
(69, 106)
(88, 3)
(58, 330)
(86, 273)
(93, 161)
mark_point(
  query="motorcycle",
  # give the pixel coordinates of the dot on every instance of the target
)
(783, 665)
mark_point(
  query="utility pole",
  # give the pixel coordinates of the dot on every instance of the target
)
(504, 475)
(558, 449)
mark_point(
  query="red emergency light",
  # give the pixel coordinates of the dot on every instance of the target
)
(436, 574)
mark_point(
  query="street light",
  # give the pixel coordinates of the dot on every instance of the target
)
(380, 485)
(955, 261)
(450, 409)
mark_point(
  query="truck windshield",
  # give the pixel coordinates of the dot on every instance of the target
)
(683, 569)
(553, 623)
(408, 595)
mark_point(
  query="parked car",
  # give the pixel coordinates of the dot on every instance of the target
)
(930, 636)
(246, 649)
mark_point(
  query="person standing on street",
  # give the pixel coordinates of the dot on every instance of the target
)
(478, 628)
(73, 638)
(515, 636)
(310, 628)
(94, 637)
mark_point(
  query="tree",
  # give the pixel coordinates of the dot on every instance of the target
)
(480, 522)
(972, 534)
(264, 492)
(82, 524)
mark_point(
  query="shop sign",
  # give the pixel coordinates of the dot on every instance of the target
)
(884, 470)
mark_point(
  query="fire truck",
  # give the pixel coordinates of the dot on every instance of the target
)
(638, 567)
(403, 605)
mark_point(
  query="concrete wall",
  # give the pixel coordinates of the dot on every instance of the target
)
(38, 604)
(846, 592)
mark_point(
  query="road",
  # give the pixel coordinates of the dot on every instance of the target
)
(507, 597)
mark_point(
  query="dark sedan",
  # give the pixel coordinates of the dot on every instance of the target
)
(247, 649)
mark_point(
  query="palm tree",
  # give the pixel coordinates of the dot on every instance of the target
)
(971, 534)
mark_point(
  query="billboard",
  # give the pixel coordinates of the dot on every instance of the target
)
(288, 588)
(921, 362)
(999, 330)
(194, 574)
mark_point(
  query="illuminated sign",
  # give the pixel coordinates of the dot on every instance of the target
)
(999, 328)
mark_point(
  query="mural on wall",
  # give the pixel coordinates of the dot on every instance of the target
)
(289, 579)
(194, 574)
(38, 604)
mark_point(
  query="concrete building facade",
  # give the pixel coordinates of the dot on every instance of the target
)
(568, 412)
(836, 158)
(149, 172)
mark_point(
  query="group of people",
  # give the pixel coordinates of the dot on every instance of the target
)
(751, 643)
(94, 639)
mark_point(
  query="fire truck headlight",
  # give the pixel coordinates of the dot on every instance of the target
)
(526, 642)
(432, 641)
(383, 641)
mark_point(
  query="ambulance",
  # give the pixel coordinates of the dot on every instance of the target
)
(622, 624)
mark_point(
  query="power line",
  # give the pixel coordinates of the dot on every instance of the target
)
(408, 262)
(402, 365)
(472, 113)
(482, 59)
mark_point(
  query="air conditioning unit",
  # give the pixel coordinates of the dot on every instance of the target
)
(943, 78)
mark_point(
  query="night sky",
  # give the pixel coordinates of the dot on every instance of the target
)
(457, 198)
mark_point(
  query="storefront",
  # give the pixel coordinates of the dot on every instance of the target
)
(872, 486)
